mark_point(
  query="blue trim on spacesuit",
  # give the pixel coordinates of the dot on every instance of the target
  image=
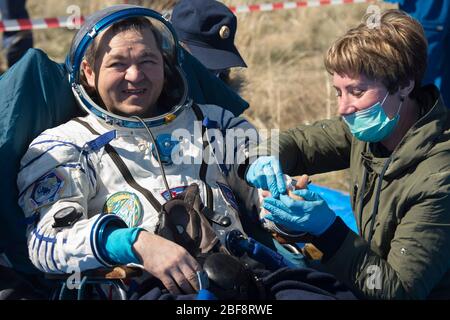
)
(41, 237)
(237, 124)
(53, 258)
(110, 119)
(42, 154)
(210, 124)
(222, 118)
(228, 122)
(102, 140)
(53, 140)
(98, 239)
(45, 254)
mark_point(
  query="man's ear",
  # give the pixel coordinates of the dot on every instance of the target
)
(406, 90)
(89, 73)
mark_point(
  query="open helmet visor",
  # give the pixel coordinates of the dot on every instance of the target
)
(175, 87)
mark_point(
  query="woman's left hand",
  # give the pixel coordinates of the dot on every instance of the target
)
(310, 215)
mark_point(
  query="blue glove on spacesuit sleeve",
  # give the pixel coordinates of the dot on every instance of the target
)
(311, 215)
(265, 173)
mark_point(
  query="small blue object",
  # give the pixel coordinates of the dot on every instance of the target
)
(238, 244)
(165, 144)
(203, 282)
(204, 294)
(101, 141)
(210, 124)
(270, 258)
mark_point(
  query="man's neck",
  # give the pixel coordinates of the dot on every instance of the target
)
(155, 111)
(408, 116)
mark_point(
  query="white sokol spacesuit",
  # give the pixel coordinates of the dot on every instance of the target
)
(69, 183)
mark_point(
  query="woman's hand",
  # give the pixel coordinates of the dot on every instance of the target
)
(265, 173)
(301, 182)
(310, 214)
(169, 262)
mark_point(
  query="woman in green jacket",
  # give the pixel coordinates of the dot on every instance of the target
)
(393, 134)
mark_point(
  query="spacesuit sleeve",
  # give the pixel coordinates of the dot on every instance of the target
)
(57, 179)
(239, 136)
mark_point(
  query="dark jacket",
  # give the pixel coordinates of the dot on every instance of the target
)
(402, 206)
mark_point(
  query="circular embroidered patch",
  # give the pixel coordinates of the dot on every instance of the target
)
(127, 206)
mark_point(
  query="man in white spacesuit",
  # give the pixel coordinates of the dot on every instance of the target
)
(124, 72)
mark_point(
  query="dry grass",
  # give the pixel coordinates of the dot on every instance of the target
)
(2, 59)
(285, 83)
(2, 63)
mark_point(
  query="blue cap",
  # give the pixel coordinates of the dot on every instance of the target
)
(208, 27)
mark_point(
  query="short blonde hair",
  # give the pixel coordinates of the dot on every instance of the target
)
(393, 52)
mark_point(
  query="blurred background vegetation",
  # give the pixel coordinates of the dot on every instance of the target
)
(285, 82)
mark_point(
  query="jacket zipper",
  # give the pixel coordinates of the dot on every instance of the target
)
(377, 199)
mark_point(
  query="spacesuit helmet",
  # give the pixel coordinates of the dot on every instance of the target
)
(173, 97)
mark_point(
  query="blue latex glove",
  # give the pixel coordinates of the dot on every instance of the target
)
(265, 173)
(312, 215)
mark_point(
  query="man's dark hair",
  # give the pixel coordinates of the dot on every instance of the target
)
(134, 23)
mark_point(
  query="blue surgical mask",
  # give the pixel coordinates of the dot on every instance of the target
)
(372, 124)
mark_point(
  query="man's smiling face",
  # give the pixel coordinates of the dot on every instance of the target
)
(128, 73)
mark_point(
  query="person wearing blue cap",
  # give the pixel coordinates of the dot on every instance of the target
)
(207, 28)
(435, 19)
(16, 43)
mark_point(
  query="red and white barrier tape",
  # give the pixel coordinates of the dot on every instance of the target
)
(34, 24)
(291, 5)
(68, 22)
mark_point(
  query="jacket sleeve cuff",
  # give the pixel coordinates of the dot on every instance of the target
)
(330, 241)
